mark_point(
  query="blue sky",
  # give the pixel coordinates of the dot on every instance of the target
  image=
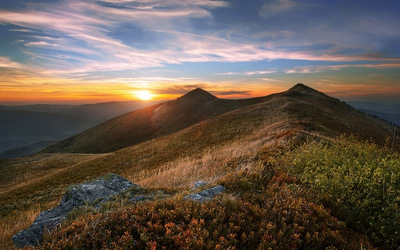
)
(89, 51)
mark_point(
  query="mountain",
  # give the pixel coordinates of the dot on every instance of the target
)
(247, 145)
(99, 112)
(149, 123)
(53, 122)
(46, 108)
(20, 128)
(387, 108)
(26, 150)
(198, 105)
(393, 118)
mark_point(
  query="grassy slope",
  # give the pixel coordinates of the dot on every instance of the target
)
(225, 143)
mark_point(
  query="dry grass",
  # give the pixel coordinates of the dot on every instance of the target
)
(182, 173)
(20, 219)
(215, 162)
(16, 173)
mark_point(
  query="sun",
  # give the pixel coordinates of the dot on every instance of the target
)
(143, 95)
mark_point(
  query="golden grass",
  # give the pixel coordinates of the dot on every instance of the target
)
(16, 173)
(214, 163)
(18, 220)
(183, 172)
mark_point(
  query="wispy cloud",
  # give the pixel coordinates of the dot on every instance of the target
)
(249, 73)
(260, 72)
(89, 36)
(274, 7)
(5, 62)
(40, 44)
(319, 68)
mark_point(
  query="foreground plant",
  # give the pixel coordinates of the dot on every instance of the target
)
(360, 182)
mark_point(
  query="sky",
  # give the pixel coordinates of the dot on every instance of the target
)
(87, 51)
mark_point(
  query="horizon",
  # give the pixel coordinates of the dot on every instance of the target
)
(85, 52)
(83, 102)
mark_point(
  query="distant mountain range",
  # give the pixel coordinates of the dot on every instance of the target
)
(49, 124)
(387, 108)
(22, 126)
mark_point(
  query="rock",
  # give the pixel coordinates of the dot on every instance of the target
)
(95, 192)
(200, 184)
(140, 198)
(207, 194)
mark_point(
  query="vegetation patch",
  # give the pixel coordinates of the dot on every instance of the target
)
(258, 211)
(358, 181)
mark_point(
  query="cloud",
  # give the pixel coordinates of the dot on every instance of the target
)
(5, 62)
(274, 7)
(40, 44)
(249, 73)
(260, 72)
(88, 37)
(170, 3)
(232, 92)
(319, 68)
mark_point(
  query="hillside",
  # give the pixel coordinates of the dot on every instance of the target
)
(220, 149)
(149, 123)
(26, 150)
(52, 123)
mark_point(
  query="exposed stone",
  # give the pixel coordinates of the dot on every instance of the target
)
(140, 198)
(200, 184)
(207, 194)
(95, 193)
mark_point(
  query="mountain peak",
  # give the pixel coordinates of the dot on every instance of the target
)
(198, 94)
(301, 89)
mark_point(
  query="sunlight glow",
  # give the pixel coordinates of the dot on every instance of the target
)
(143, 95)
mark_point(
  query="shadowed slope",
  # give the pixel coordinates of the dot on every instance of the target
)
(320, 114)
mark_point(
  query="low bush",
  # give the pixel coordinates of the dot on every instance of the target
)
(358, 181)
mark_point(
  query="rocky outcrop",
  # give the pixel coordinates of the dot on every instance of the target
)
(94, 193)
(207, 194)
(200, 184)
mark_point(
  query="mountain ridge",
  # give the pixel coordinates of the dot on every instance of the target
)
(149, 123)
(196, 106)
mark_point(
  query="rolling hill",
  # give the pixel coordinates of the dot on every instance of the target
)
(170, 146)
(148, 123)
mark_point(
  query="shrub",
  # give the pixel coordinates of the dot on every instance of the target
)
(360, 182)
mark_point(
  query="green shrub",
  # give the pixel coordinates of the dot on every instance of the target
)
(359, 182)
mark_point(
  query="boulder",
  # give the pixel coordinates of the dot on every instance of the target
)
(95, 193)
(200, 184)
(207, 194)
